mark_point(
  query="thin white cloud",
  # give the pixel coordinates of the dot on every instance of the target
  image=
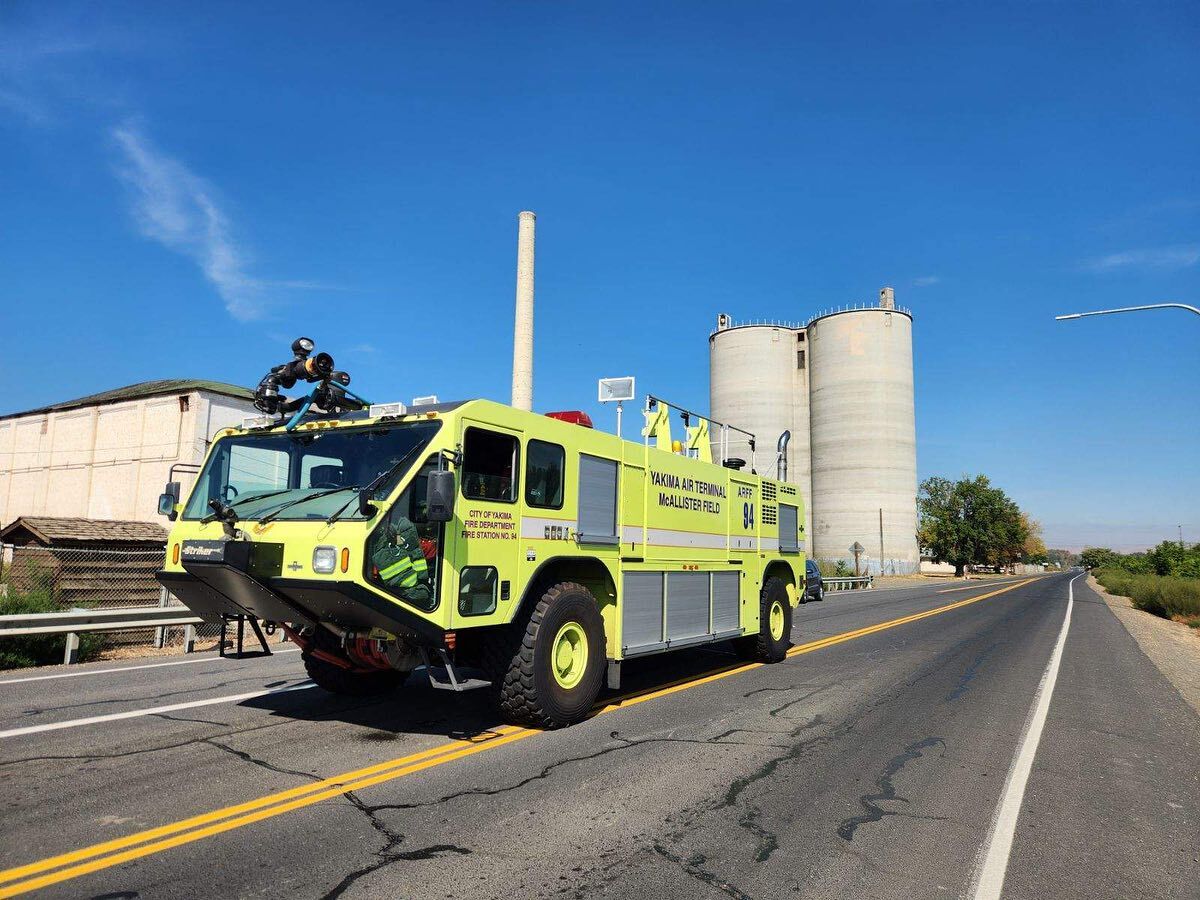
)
(49, 58)
(177, 208)
(926, 281)
(1178, 257)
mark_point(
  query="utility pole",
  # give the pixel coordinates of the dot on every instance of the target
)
(881, 540)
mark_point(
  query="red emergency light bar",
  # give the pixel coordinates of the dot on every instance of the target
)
(574, 416)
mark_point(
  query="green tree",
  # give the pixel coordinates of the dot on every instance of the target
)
(969, 522)
(1173, 558)
(1034, 549)
(1064, 559)
(1097, 557)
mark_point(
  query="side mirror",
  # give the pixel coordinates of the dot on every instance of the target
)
(366, 508)
(168, 499)
(439, 496)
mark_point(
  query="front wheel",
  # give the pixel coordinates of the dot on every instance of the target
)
(552, 677)
(771, 643)
(351, 682)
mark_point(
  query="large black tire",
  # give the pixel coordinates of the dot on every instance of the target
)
(520, 660)
(768, 646)
(350, 683)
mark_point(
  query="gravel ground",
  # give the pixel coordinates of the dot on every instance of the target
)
(1172, 646)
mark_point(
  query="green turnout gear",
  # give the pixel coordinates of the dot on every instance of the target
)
(401, 562)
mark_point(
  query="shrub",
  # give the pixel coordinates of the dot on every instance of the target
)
(38, 649)
(1168, 596)
(834, 568)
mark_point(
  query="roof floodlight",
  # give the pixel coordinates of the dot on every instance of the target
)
(378, 410)
(617, 389)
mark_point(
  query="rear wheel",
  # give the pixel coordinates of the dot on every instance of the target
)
(549, 673)
(775, 626)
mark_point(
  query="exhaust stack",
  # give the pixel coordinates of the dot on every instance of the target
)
(522, 370)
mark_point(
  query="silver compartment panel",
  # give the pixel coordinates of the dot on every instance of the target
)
(642, 620)
(726, 614)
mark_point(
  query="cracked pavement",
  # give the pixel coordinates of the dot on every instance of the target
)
(870, 768)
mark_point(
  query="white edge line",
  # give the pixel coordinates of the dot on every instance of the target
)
(992, 865)
(174, 662)
(153, 710)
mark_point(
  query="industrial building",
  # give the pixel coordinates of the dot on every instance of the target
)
(108, 455)
(842, 385)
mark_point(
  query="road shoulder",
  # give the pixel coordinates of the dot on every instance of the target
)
(1173, 647)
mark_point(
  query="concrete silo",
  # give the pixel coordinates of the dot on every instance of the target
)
(863, 437)
(758, 380)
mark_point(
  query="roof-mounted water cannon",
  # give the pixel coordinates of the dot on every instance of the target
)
(331, 393)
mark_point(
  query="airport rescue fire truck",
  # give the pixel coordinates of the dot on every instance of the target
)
(527, 554)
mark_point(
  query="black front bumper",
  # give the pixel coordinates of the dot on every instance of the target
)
(245, 580)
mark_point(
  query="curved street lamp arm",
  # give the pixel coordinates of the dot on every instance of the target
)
(1105, 312)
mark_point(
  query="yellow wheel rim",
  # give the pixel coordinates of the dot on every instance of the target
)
(569, 655)
(776, 620)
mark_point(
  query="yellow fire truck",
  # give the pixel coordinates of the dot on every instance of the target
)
(527, 554)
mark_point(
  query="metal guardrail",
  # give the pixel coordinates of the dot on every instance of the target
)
(848, 584)
(95, 620)
(76, 621)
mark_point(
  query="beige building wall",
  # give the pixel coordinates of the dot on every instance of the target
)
(758, 380)
(843, 385)
(864, 446)
(109, 461)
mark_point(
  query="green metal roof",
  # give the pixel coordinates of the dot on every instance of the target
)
(140, 390)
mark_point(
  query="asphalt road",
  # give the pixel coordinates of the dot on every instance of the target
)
(874, 762)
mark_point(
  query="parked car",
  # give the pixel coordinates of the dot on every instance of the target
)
(814, 585)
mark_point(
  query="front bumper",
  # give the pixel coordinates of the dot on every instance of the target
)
(223, 578)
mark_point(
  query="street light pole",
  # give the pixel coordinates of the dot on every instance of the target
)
(1106, 312)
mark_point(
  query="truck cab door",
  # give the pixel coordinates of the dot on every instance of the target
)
(486, 540)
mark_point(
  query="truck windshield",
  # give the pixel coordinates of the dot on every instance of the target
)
(259, 473)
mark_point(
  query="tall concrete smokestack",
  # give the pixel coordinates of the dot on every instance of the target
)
(522, 373)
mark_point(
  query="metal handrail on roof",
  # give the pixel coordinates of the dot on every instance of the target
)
(759, 323)
(800, 326)
(859, 307)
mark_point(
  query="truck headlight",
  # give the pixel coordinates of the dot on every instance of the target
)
(324, 559)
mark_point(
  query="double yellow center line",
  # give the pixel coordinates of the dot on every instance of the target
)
(55, 869)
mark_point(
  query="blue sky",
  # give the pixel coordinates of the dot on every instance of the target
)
(187, 187)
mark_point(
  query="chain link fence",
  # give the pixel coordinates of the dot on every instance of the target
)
(37, 579)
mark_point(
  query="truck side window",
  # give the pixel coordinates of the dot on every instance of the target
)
(477, 590)
(544, 465)
(404, 550)
(490, 466)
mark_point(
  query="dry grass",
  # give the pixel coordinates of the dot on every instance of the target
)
(1168, 596)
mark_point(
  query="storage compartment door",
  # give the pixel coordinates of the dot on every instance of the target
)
(597, 500)
(687, 605)
(642, 611)
(726, 614)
